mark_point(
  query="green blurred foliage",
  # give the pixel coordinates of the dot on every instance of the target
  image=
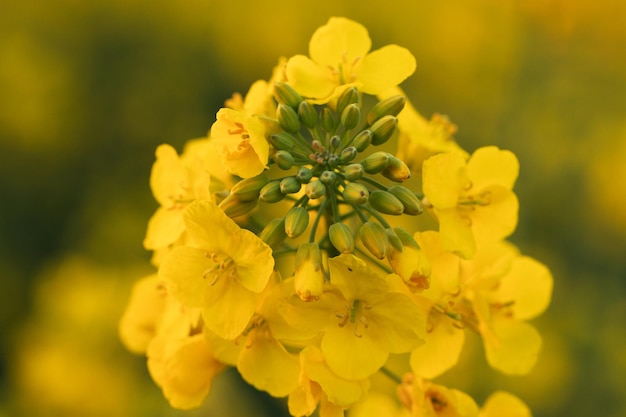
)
(89, 89)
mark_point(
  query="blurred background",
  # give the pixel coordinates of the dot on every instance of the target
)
(89, 89)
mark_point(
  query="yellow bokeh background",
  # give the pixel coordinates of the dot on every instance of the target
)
(89, 89)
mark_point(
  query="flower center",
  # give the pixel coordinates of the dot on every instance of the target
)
(223, 267)
(354, 315)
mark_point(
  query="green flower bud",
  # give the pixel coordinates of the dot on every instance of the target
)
(304, 175)
(374, 238)
(385, 202)
(296, 221)
(327, 121)
(397, 170)
(328, 177)
(341, 237)
(349, 96)
(249, 189)
(412, 204)
(270, 193)
(285, 94)
(353, 172)
(288, 118)
(274, 232)
(351, 116)
(284, 159)
(283, 141)
(394, 240)
(376, 162)
(363, 140)
(406, 238)
(307, 114)
(391, 106)
(383, 129)
(348, 154)
(355, 193)
(234, 207)
(315, 189)
(289, 185)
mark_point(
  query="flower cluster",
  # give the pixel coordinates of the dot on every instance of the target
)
(288, 247)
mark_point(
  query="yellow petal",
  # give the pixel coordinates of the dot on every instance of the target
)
(266, 365)
(167, 174)
(385, 68)
(504, 404)
(456, 233)
(444, 177)
(164, 228)
(498, 219)
(310, 79)
(339, 40)
(444, 343)
(183, 271)
(354, 279)
(515, 348)
(491, 166)
(396, 323)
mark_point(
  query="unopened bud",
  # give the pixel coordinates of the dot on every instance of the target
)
(289, 185)
(355, 193)
(327, 121)
(374, 238)
(328, 177)
(248, 189)
(233, 207)
(363, 140)
(385, 202)
(341, 237)
(307, 114)
(394, 240)
(284, 159)
(348, 154)
(411, 264)
(397, 170)
(309, 277)
(315, 189)
(283, 141)
(285, 94)
(383, 129)
(389, 106)
(270, 193)
(347, 97)
(296, 221)
(304, 175)
(412, 204)
(376, 162)
(288, 118)
(351, 116)
(353, 172)
(274, 232)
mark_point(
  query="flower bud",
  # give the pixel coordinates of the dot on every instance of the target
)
(289, 185)
(376, 162)
(283, 141)
(288, 118)
(304, 175)
(248, 189)
(327, 121)
(394, 240)
(270, 193)
(353, 172)
(412, 204)
(274, 232)
(374, 238)
(355, 193)
(315, 189)
(328, 177)
(347, 97)
(385, 202)
(307, 114)
(397, 170)
(335, 143)
(285, 94)
(296, 221)
(382, 129)
(341, 237)
(363, 140)
(389, 106)
(351, 116)
(234, 207)
(284, 160)
(348, 154)
(309, 276)
(411, 264)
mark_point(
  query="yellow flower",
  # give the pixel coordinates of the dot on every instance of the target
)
(222, 269)
(340, 56)
(426, 399)
(504, 404)
(472, 200)
(361, 320)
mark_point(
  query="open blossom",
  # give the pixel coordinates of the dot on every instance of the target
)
(340, 56)
(473, 200)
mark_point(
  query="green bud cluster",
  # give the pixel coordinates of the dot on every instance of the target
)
(330, 174)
